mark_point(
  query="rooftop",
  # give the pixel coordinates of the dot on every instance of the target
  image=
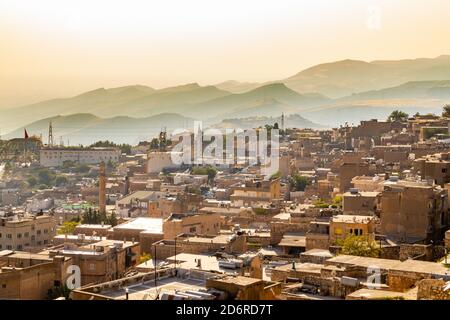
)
(153, 225)
(343, 218)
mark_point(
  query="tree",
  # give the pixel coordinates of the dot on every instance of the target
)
(205, 171)
(144, 257)
(398, 115)
(59, 291)
(46, 177)
(32, 181)
(359, 246)
(68, 227)
(112, 220)
(154, 144)
(60, 181)
(299, 183)
(446, 111)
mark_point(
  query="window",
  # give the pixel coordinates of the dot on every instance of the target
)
(193, 229)
(45, 241)
(0, 235)
(38, 232)
(19, 247)
(9, 236)
(26, 234)
(19, 235)
(45, 231)
(9, 247)
(3, 286)
(92, 266)
(444, 170)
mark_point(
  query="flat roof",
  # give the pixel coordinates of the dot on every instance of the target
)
(422, 267)
(344, 218)
(362, 193)
(293, 240)
(220, 239)
(94, 226)
(317, 253)
(302, 267)
(136, 195)
(239, 280)
(148, 291)
(363, 261)
(27, 255)
(152, 225)
(376, 294)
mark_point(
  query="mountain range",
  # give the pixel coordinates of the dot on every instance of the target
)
(327, 94)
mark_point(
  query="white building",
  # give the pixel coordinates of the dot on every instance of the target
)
(55, 157)
(159, 160)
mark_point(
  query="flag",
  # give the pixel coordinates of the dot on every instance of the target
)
(26, 134)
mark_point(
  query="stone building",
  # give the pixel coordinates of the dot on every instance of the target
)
(178, 223)
(342, 226)
(26, 232)
(55, 157)
(360, 202)
(413, 211)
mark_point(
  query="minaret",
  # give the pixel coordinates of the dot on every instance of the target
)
(102, 189)
(50, 135)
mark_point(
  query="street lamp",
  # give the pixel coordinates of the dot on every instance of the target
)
(126, 293)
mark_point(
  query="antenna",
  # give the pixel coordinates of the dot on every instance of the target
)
(50, 135)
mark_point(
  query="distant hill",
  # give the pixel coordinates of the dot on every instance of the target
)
(330, 94)
(343, 78)
(135, 101)
(414, 89)
(86, 128)
(264, 101)
(237, 87)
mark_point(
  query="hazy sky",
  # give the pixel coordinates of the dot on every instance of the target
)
(61, 48)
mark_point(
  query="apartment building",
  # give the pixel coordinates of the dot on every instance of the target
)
(55, 157)
(26, 233)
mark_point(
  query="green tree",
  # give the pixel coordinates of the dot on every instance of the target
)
(57, 292)
(144, 257)
(299, 182)
(112, 220)
(68, 227)
(337, 200)
(205, 171)
(154, 144)
(60, 181)
(446, 111)
(32, 181)
(359, 246)
(46, 177)
(276, 175)
(398, 115)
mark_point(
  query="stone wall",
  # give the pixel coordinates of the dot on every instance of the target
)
(432, 289)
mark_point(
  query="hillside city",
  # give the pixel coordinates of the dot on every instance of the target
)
(356, 212)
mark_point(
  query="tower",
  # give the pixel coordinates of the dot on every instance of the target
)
(50, 135)
(282, 122)
(102, 189)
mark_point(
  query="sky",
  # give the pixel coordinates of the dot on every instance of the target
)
(60, 48)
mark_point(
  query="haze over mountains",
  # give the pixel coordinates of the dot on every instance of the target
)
(327, 94)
